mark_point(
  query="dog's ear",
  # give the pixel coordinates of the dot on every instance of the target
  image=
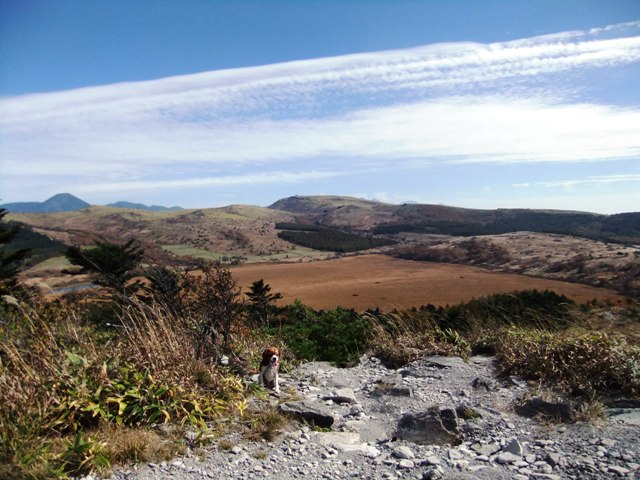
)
(271, 351)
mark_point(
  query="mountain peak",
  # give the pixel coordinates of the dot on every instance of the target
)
(61, 202)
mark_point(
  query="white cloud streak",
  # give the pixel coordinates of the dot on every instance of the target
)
(222, 181)
(593, 180)
(442, 102)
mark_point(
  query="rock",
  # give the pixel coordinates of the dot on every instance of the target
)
(466, 412)
(483, 383)
(618, 470)
(224, 360)
(406, 464)
(439, 361)
(403, 452)
(362, 449)
(515, 447)
(552, 459)
(433, 473)
(433, 427)
(518, 381)
(535, 407)
(342, 395)
(487, 449)
(308, 413)
(506, 458)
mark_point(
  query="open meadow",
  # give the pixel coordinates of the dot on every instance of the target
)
(369, 281)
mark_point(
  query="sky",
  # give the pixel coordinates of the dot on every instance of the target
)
(205, 103)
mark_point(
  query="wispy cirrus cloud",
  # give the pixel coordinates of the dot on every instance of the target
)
(592, 180)
(305, 120)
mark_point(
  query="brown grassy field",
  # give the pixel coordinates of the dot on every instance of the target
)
(370, 281)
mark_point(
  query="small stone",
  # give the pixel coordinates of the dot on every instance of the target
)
(553, 459)
(618, 470)
(607, 442)
(506, 458)
(403, 452)
(515, 447)
(433, 473)
(455, 455)
(406, 464)
(432, 460)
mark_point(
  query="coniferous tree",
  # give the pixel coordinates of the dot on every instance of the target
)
(261, 306)
(9, 261)
(113, 265)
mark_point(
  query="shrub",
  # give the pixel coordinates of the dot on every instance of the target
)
(339, 336)
(583, 365)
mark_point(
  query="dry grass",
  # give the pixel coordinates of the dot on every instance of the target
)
(370, 281)
(74, 400)
(135, 445)
(266, 424)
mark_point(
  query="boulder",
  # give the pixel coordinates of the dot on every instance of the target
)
(310, 414)
(561, 411)
(342, 395)
(433, 427)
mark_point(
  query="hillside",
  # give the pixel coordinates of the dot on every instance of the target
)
(235, 230)
(388, 219)
(141, 206)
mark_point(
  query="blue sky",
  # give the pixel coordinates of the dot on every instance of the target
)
(470, 103)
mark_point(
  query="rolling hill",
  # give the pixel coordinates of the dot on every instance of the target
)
(387, 219)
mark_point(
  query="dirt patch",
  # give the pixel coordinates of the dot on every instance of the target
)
(370, 281)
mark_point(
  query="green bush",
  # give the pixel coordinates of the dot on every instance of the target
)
(340, 336)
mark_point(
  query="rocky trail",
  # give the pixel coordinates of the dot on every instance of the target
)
(438, 417)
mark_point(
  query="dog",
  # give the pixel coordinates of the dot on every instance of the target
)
(268, 376)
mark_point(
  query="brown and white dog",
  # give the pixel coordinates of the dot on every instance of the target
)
(269, 369)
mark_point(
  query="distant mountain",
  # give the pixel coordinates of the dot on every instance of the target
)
(61, 202)
(65, 202)
(384, 218)
(141, 206)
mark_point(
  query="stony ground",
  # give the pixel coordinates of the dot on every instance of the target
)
(435, 418)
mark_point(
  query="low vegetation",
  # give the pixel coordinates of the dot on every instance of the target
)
(333, 240)
(123, 375)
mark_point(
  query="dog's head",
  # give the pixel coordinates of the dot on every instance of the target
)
(271, 356)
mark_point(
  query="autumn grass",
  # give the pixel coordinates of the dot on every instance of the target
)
(77, 399)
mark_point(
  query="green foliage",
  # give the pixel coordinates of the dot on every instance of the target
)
(340, 336)
(261, 306)
(82, 456)
(62, 380)
(215, 304)
(333, 240)
(624, 227)
(524, 308)
(299, 227)
(9, 259)
(113, 265)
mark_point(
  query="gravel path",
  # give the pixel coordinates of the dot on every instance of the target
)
(438, 417)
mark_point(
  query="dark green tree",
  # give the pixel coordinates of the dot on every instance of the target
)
(166, 287)
(261, 306)
(9, 259)
(216, 302)
(113, 265)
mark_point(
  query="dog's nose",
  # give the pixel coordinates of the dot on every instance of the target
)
(274, 359)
